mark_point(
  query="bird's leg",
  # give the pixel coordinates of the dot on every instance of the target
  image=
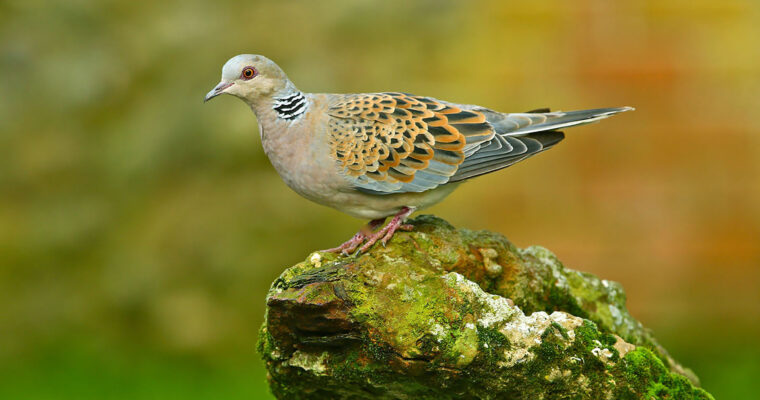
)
(351, 244)
(385, 234)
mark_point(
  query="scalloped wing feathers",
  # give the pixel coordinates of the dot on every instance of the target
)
(395, 142)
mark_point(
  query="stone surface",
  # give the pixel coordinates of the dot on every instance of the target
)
(456, 314)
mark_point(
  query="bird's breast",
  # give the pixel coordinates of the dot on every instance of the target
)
(299, 153)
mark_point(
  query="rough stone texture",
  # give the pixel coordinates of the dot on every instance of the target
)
(456, 314)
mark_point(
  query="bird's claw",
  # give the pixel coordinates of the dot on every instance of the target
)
(369, 236)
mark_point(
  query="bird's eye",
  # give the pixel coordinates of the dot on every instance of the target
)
(248, 73)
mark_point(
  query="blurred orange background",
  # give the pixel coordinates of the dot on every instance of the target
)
(140, 229)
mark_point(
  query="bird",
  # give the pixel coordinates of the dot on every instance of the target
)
(380, 155)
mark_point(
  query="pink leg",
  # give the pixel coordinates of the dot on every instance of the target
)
(385, 234)
(351, 244)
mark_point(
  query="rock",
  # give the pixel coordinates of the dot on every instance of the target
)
(450, 314)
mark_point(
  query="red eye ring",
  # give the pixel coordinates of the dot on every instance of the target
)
(248, 73)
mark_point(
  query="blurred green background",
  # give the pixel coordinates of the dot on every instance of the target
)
(140, 228)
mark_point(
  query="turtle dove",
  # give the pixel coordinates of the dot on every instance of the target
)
(375, 155)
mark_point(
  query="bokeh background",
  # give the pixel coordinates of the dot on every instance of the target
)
(140, 228)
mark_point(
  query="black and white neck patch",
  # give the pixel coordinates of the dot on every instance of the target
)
(291, 106)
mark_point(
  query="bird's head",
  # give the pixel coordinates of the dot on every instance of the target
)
(250, 77)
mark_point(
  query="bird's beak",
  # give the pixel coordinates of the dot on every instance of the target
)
(219, 89)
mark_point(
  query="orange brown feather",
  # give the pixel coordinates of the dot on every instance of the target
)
(389, 137)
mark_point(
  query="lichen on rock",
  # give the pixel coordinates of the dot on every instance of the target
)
(447, 314)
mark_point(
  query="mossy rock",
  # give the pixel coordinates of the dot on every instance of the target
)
(442, 313)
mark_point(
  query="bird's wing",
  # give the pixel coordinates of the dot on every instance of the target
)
(395, 143)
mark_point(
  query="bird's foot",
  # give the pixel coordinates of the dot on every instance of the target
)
(351, 244)
(369, 237)
(386, 233)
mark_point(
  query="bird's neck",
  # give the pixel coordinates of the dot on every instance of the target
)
(289, 104)
(277, 113)
(285, 103)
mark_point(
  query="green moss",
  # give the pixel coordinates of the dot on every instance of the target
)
(265, 345)
(559, 299)
(464, 349)
(492, 344)
(378, 352)
(586, 333)
(552, 343)
(348, 369)
(560, 329)
(646, 374)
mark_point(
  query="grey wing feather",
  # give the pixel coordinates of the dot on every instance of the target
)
(523, 147)
(521, 135)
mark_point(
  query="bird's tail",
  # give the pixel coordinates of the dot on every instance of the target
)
(558, 119)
